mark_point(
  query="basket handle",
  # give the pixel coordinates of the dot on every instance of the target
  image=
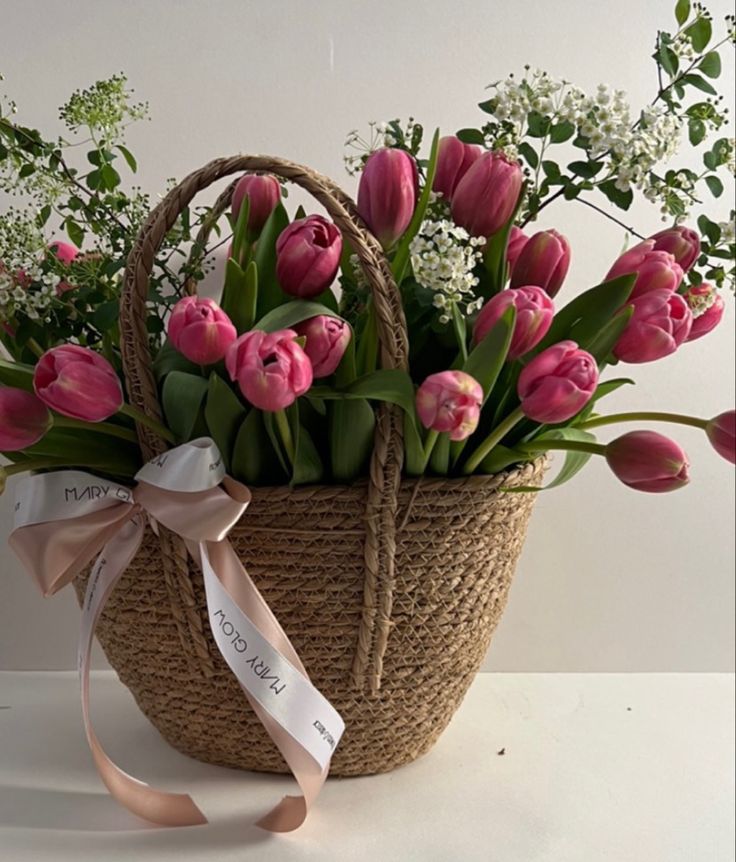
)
(387, 459)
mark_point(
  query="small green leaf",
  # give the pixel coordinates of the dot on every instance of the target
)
(699, 33)
(105, 316)
(537, 124)
(182, 398)
(109, 177)
(74, 232)
(621, 199)
(129, 157)
(224, 414)
(561, 132)
(699, 82)
(710, 65)
(715, 185)
(696, 131)
(529, 153)
(682, 10)
(471, 136)
(586, 170)
(291, 313)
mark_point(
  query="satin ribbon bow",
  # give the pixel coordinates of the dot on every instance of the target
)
(64, 519)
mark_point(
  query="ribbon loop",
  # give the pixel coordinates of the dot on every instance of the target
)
(64, 519)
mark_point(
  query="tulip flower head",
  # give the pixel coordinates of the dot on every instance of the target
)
(486, 197)
(271, 369)
(327, 338)
(543, 261)
(24, 419)
(63, 251)
(682, 243)
(264, 194)
(647, 461)
(534, 313)
(453, 160)
(307, 256)
(200, 330)
(77, 382)
(387, 194)
(708, 308)
(659, 325)
(450, 401)
(654, 270)
(721, 431)
(557, 383)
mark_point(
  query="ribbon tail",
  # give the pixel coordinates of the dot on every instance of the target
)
(302, 723)
(156, 806)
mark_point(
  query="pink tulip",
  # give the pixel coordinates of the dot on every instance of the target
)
(64, 252)
(681, 242)
(485, 198)
(647, 461)
(707, 306)
(77, 382)
(654, 270)
(517, 240)
(327, 338)
(453, 160)
(543, 261)
(387, 194)
(534, 313)
(307, 256)
(200, 330)
(557, 383)
(660, 323)
(264, 194)
(450, 401)
(271, 369)
(721, 431)
(24, 419)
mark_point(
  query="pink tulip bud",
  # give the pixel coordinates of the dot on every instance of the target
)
(271, 369)
(307, 256)
(264, 194)
(654, 270)
(543, 261)
(517, 240)
(77, 382)
(534, 313)
(557, 383)
(681, 242)
(64, 251)
(707, 306)
(450, 401)
(721, 431)
(485, 198)
(453, 160)
(647, 461)
(660, 323)
(327, 337)
(24, 419)
(387, 194)
(200, 330)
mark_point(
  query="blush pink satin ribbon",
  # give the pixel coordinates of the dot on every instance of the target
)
(64, 519)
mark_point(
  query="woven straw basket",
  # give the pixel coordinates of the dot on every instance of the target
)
(389, 589)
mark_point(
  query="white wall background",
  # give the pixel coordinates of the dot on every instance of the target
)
(610, 579)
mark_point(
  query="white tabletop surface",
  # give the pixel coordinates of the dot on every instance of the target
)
(560, 768)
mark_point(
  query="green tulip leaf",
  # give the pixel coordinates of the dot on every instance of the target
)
(351, 428)
(574, 461)
(182, 398)
(16, 374)
(224, 414)
(308, 468)
(270, 294)
(254, 460)
(487, 358)
(169, 359)
(291, 313)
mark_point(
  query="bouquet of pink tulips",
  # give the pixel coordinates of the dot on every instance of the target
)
(283, 372)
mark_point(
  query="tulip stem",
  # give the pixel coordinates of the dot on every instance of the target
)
(563, 445)
(35, 347)
(646, 415)
(496, 436)
(100, 427)
(142, 419)
(282, 423)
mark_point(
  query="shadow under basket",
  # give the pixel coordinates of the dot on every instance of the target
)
(394, 652)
